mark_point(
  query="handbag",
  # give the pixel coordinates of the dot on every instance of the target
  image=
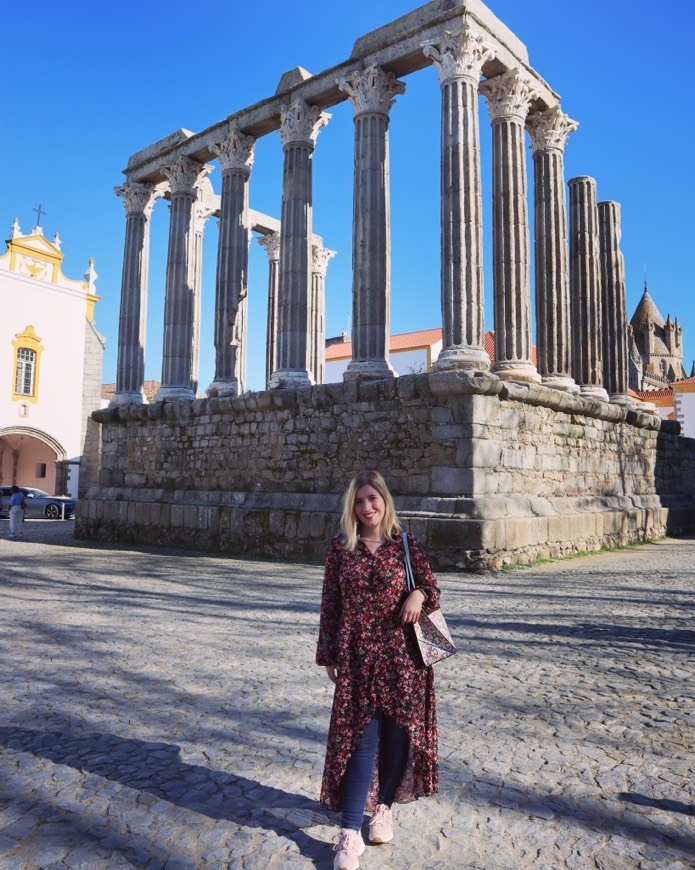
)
(431, 631)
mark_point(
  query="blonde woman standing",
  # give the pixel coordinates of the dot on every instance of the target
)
(382, 739)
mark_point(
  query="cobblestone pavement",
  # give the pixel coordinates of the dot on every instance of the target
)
(161, 709)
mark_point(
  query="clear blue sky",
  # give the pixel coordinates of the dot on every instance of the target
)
(87, 84)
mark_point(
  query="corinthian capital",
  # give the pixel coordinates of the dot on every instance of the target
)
(549, 130)
(186, 175)
(459, 56)
(319, 259)
(271, 243)
(300, 122)
(509, 95)
(235, 151)
(138, 198)
(371, 90)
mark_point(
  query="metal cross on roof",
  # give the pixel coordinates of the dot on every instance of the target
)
(39, 212)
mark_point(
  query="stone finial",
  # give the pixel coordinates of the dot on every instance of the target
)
(186, 175)
(549, 130)
(509, 95)
(319, 259)
(301, 122)
(461, 55)
(235, 151)
(56, 241)
(371, 90)
(15, 231)
(90, 275)
(138, 198)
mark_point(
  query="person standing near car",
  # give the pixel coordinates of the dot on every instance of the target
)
(17, 507)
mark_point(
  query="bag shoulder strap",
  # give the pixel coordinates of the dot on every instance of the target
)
(410, 579)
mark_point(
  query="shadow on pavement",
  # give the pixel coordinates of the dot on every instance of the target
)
(155, 768)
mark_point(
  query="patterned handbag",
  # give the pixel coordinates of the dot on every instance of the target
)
(431, 631)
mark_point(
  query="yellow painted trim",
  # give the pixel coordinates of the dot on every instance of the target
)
(683, 388)
(91, 302)
(30, 340)
(662, 401)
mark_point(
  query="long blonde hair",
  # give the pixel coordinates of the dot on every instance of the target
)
(349, 526)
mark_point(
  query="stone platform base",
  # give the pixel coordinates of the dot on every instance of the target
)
(485, 473)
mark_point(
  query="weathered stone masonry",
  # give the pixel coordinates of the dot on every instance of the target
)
(484, 471)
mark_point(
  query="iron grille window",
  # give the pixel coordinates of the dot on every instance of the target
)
(26, 363)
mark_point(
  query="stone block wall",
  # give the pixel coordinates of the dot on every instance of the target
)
(484, 472)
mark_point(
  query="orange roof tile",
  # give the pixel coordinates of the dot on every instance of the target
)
(648, 395)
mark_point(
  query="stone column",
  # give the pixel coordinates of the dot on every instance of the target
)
(549, 131)
(585, 288)
(138, 200)
(459, 61)
(615, 349)
(271, 243)
(179, 379)
(319, 267)
(300, 125)
(201, 214)
(509, 97)
(235, 152)
(371, 93)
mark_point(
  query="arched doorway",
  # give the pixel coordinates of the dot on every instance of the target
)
(29, 457)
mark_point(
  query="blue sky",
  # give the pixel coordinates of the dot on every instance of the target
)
(88, 84)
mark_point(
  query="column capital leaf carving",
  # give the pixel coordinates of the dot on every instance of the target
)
(459, 55)
(319, 259)
(186, 175)
(371, 91)
(138, 198)
(271, 243)
(549, 130)
(200, 215)
(235, 151)
(509, 95)
(301, 122)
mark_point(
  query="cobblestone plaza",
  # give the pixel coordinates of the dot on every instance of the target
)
(161, 709)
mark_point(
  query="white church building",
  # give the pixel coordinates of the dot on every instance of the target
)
(50, 368)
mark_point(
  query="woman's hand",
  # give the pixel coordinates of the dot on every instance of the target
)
(332, 673)
(410, 612)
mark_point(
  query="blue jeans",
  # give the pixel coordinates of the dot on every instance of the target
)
(392, 741)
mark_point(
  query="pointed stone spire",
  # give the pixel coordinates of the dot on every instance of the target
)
(15, 231)
(692, 370)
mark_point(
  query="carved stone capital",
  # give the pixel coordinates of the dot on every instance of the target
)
(319, 259)
(235, 151)
(200, 215)
(138, 198)
(509, 96)
(459, 56)
(549, 130)
(186, 175)
(371, 91)
(271, 243)
(300, 122)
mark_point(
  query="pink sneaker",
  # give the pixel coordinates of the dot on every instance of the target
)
(381, 825)
(349, 847)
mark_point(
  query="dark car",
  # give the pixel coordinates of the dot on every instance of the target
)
(39, 503)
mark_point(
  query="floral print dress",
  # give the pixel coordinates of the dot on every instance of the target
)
(378, 661)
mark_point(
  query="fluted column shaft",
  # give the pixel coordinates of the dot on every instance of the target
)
(181, 306)
(371, 93)
(549, 132)
(320, 258)
(235, 152)
(585, 288)
(509, 97)
(138, 200)
(459, 61)
(300, 125)
(615, 349)
(271, 243)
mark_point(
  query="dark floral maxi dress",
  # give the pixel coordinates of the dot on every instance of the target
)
(378, 662)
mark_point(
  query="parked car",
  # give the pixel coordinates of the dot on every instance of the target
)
(39, 503)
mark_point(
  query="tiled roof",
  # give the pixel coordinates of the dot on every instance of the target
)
(150, 389)
(683, 381)
(650, 395)
(403, 341)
